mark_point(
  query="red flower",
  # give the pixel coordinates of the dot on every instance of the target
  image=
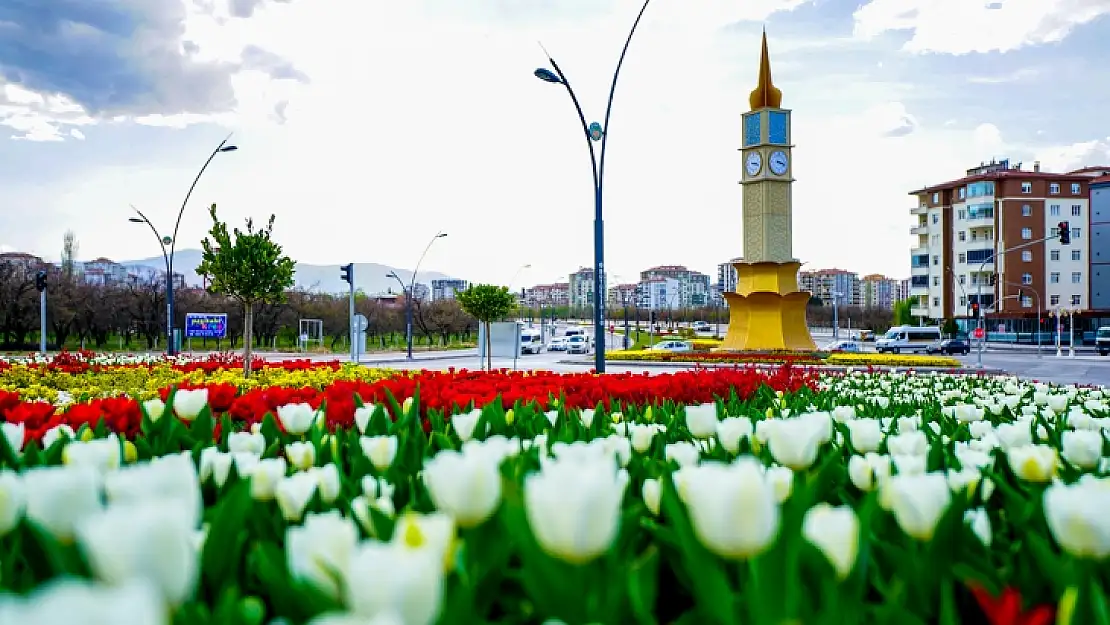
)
(1006, 609)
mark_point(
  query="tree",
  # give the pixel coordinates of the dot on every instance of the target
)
(950, 328)
(485, 303)
(902, 316)
(69, 253)
(248, 266)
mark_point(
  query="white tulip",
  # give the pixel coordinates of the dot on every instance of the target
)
(683, 453)
(346, 618)
(58, 498)
(835, 532)
(732, 507)
(979, 429)
(795, 442)
(1015, 434)
(980, 525)
(619, 447)
(433, 533)
(265, 477)
(701, 420)
(327, 482)
(72, 600)
(1058, 403)
(731, 430)
(763, 429)
(301, 455)
(102, 454)
(148, 540)
(909, 424)
(781, 480)
(188, 403)
(641, 435)
(381, 450)
(1082, 448)
(13, 500)
(843, 414)
(908, 465)
(387, 579)
(866, 434)
(908, 444)
(363, 416)
(868, 471)
(293, 494)
(821, 421)
(465, 423)
(465, 486)
(297, 419)
(376, 487)
(966, 413)
(171, 479)
(246, 442)
(574, 508)
(652, 493)
(587, 417)
(1079, 518)
(319, 551)
(552, 416)
(155, 408)
(215, 465)
(1033, 463)
(57, 433)
(917, 502)
(15, 434)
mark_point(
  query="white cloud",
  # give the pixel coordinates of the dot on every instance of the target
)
(77, 134)
(1076, 155)
(967, 26)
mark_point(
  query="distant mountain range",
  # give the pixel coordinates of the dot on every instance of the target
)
(369, 277)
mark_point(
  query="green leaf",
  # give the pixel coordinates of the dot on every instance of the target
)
(643, 586)
(226, 538)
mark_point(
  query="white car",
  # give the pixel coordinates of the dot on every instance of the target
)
(673, 346)
(701, 326)
(842, 346)
(578, 345)
(557, 344)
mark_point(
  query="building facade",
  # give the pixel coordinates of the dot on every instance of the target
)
(581, 288)
(446, 289)
(726, 277)
(693, 285)
(624, 295)
(830, 284)
(557, 294)
(660, 293)
(104, 272)
(1100, 245)
(1001, 221)
(878, 291)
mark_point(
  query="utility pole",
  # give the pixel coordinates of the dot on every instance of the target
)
(347, 273)
(40, 284)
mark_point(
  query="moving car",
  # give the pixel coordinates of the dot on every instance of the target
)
(842, 346)
(531, 341)
(673, 346)
(701, 326)
(950, 346)
(557, 344)
(1102, 340)
(578, 344)
(908, 339)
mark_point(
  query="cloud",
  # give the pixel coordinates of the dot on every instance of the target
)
(966, 26)
(1076, 155)
(1019, 75)
(77, 134)
(255, 58)
(246, 8)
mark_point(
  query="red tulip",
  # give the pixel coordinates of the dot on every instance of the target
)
(1006, 609)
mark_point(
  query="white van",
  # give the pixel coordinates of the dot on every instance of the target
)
(574, 331)
(531, 341)
(908, 339)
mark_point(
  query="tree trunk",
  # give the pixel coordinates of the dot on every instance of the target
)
(248, 327)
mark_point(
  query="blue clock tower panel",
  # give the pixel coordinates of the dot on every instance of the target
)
(752, 129)
(778, 131)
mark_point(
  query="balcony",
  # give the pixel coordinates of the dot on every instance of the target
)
(920, 251)
(919, 230)
(917, 291)
(919, 311)
(919, 270)
(920, 209)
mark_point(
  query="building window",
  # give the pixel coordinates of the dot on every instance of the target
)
(1075, 232)
(1076, 277)
(1075, 188)
(1027, 233)
(1076, 300)
(963, 235)
(961, 214)
(1054, 277)
(1027, 187)
(1026, 301)
(1026, 210)
(1026, 256)
(963, 301)
(1054, 188)
(1054, 255)
(936, 260)
(936, 218)
(1027, 278)
(1075, 255)
(1054, 210)
(936, 198)
(1076, 210)
(963, 257)
(963, 279)
(963, 193)
(1054, 300)
(936, 301)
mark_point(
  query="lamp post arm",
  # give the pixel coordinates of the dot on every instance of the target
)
(412, 285)
(582, 119)
(165, 255)
(613, 88)
(185, 202)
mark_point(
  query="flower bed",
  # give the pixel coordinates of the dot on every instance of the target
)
(724, 496)
(792, 358)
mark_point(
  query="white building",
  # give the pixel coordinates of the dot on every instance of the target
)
(446, 289)
(660, 294)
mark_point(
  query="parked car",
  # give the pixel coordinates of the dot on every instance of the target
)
(531, 341)
(1102, 340)
(673, 346)
(842, 346)
(578, 344)
(557, 344)
(949, 346)
(701, 326)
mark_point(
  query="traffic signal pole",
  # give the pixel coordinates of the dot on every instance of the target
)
(40, 284)
(347, 273)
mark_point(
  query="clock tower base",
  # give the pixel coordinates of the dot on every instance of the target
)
(767, 311)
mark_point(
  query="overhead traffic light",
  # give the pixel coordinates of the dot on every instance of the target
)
(40, 280)
(347, 272)
(1065, 232)
(975, 310)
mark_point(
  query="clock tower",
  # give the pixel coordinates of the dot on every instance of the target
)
(767, 311)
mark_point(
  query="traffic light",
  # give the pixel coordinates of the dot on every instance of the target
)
(347, 272)
(1065, 232)
(40, 280)
(975, 310)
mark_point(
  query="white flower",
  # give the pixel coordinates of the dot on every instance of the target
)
(1015, 434)
(822, 422)
(293, 494)
(979, 429)
(866, 434)
(967, 413)
(13, 500)
(1033, 463)
(319, 551)
(1079, 518)
(732, 507)
(587, 416)
(215, 465)
(652, 493)
(301, 454)
(683, 453)
(265, 477)
(297, 419)
(434, 533)
(388, 579)
(188, 403)
(154, 408)
(781, 480)
(574, 508)
(464, 424)
(980, 525)
(908, 443)
(641, 435)
(376, 487)
(171, 480)
(843, 414)
(794, 442)
(14, 433)
(58, 498)
(1083, 448)
(363, 416)
(101, 454)
(908, 465)
(327, 482)
(835, 532)
(381, 450)
(466, 486)
(73, 600)
(917, 502)
(246, 442)
(732, 430)
(701, 420)
(56, 433)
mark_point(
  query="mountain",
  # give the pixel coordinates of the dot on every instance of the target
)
(369, 277)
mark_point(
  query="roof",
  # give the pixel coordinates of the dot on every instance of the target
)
(999, 175)
(1100, 169)
(875, 276)
(1104, 180)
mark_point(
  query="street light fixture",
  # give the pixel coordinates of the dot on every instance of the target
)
(412, 291)
(595, 132)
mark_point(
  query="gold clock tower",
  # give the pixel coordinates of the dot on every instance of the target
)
(767, 311)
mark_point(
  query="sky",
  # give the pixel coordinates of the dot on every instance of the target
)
(367, 126)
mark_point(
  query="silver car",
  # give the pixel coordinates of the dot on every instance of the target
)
(578, 345)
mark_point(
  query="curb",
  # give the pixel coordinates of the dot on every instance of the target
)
(414, 359)
(762, 365)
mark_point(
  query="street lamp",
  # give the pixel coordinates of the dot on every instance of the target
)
(412, 291)
(595, 132)
(170, 242)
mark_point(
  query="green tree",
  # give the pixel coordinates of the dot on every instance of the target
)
(485, 303)
(949, 328)
(902, 314)
(69, 253)
(248, 266)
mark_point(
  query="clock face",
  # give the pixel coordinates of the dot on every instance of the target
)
(754, 163)
(778, 162)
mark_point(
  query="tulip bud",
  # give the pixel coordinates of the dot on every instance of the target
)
(265, 477)
(301, 455)
(510, 417)
(293, 494)
(464, 424)
(574, 508)
(1033, 463)
(701, 420)
(652, 494)
(130, 452)
(381, 450)
(13, 499)
(189, 403)
(835, 532)
(319, 551)
(1076, 516)
(1082, 448)
(154, 409)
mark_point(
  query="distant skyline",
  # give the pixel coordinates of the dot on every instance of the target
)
(367, 126)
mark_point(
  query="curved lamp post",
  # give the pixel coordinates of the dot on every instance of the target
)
(171, 241)
(412, 290)
(595, 132)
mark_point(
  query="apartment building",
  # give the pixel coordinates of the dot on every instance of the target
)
(726, 277)
(581, 287)
(693, 285)
(1001, 220)
(624, 295)
(660, 293)
(1100, 245)
(104, 272)
(878, 291)
(447, 288)
(557, 294)
(830, 284)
